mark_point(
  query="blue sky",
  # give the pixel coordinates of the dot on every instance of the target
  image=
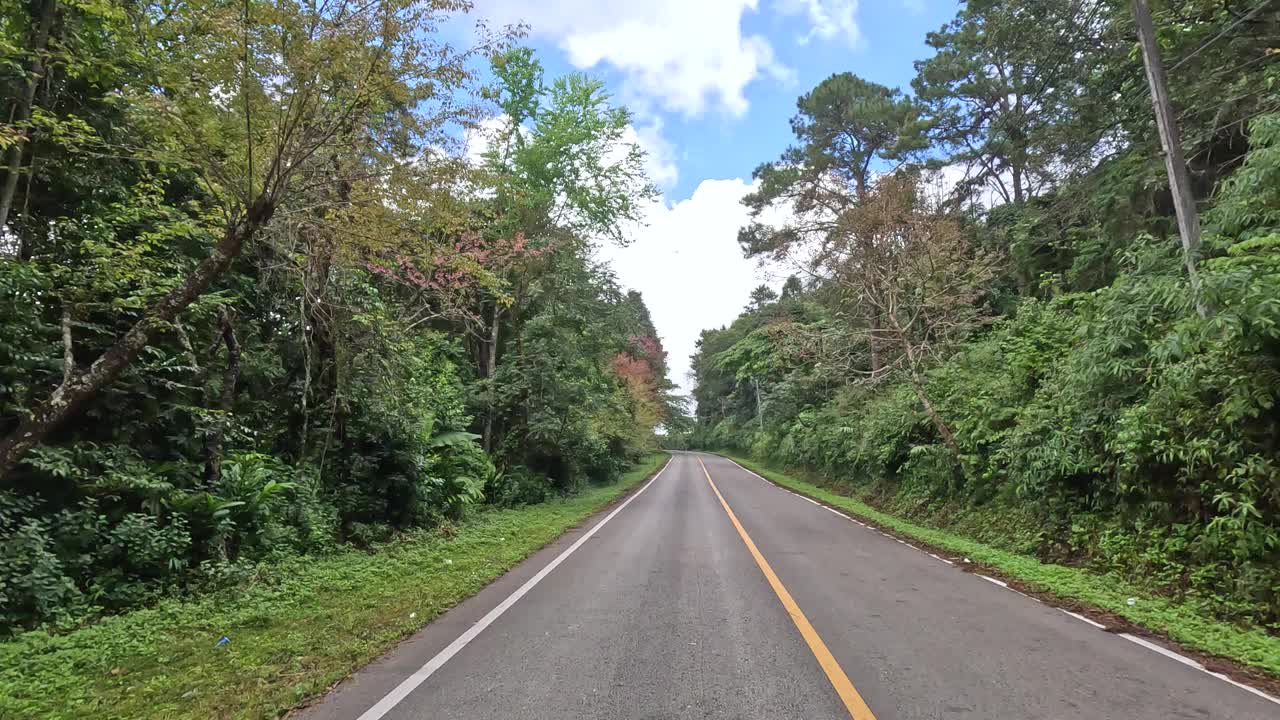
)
(712, 85)
(722, 146)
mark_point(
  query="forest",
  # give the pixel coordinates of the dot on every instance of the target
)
(278, 278)
(991, 322)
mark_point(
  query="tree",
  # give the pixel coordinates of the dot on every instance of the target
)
(246, 241)
(761, 296)
(305, 82)
(1079, 381)
(914, 266)
(844, 127)
(561, 176)
(1003, 76)
(792, 288)
(42, 17)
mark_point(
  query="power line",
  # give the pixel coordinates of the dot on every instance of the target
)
(1236, 121)
(1134, 93)
(1230, 101)
(1223, 32)
(1193, 109)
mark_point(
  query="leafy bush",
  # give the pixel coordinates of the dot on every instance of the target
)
(517, 486)
(69, 564)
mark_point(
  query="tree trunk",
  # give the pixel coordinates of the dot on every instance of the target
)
(308, 356)
(1023, 278)
(68, 347)
(491, 366)
(917, 384)
(69, 397)
(336, 433)
(948, 438)
(874, 326)
(213, 442)
(317, 340)
(1017, 171)
(23, 111)
(873, 342)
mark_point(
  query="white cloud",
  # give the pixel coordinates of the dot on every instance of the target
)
(479, 138)
(828, 19)
(688, 266)
(660, 154)
(686, 55)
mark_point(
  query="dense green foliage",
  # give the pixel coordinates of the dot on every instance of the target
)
(1053, 373)
(257, 302)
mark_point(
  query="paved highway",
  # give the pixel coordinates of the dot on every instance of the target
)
(714, 594)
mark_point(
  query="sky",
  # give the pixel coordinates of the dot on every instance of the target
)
(712, 86)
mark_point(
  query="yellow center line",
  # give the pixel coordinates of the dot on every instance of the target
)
(853, 702)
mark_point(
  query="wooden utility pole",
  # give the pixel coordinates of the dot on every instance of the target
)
(1184, 203)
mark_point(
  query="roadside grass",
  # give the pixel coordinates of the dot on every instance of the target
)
(299, 628)
(1253, 647)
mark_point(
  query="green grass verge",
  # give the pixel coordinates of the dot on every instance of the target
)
(1251, 646)
(294, 632)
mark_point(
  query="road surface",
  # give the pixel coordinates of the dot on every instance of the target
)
(714, 594)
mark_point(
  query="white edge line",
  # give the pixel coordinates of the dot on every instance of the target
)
(409, 684)
(1162, 650)
(1242, 686)
(1001, 583)
(806, 498)
(752, 472)
(1193, 664)
(1082, 618)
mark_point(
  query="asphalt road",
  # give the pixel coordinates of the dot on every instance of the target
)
(718, 595)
